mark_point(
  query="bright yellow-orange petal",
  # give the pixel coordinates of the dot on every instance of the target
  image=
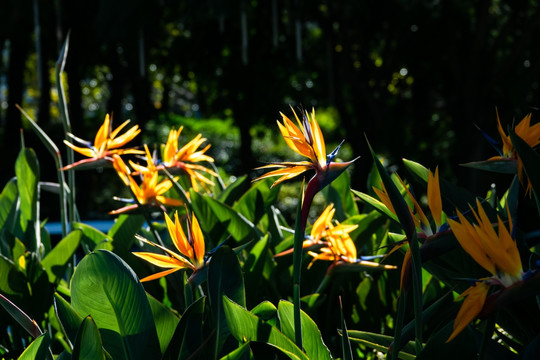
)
(470, 242)
(198, 241)
(507, 144)
(434, 197)
(473, 304)
(318, 140)
(103, 132)
(406, 260)
(163, 261)
(295, 139)
(159, 274)
(285, 173)
(182, 243)
(116, 131)
(319, 226)
(88, 152)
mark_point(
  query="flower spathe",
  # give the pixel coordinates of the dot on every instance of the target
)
(495, 251)
(187, 157)
(306, 139)
(190, 246)
(529, 133)
(107, 143)
(150, 191)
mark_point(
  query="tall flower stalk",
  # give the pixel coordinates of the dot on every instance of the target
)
(305, 139)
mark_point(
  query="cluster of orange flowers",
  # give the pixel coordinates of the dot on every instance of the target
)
(490, 245)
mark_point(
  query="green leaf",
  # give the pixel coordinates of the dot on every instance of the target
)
(12, 281)
(233, 191)
(256, 201)
(338, 193)
(69, 319)
(246, 326)
(8, 202)
(88, 343)
(27, 172)
(104, 287)
(93, 239)
(257, 268)
(21, 317)
(123, 231)
(211, 212)
(56, 260)
(267, 312)
(381, 343)
(188, 337)
(165, 320)
(463, 346)
(241, 353)
(502, 165)
(38, 349)
(224, 278)
(314, 346)
(377, 204)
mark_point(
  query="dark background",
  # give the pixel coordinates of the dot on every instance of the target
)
(412, 76)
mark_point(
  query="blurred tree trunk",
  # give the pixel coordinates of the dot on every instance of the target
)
(19, 44)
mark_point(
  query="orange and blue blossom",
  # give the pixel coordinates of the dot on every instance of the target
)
(307, 140)
(106, 143)
(322, 228)
(190, 246)
(529, 133)
(150, 191)
(186, 158)
(493, 250)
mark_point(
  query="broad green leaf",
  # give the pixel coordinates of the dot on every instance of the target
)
(8, 200)
(38, 349)
(88, 343)
(246, 326)
(165, 320)
(381, 343)
(12, 281)
(314, 346)
(266, 311)
(21, 317)
(233, 191)
(224, 278)
(257, 268)
(211, 212)
(93, 239)
(240, 353)
(56, 260)
(254, 203)
(104, 287)
(69, 319)
(27, 172)
(338, 193)
(188, 336)
(123, 231)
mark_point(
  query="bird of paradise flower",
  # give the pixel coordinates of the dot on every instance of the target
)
(151, 191)
(186, 158)
(330, 240)
(106, 144)
(496, 252)
(190, 246)
(508, 161)
(307, 140)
